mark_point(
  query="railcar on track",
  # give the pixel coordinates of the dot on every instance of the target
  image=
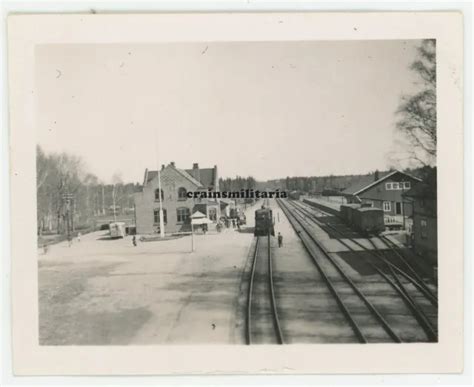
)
(367, 220)
(264, 222)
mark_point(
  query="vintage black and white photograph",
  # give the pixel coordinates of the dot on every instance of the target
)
(237, 193)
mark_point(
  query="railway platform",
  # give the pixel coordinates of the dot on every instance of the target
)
(102, 291)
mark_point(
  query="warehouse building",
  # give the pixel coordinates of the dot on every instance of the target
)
(177, 207)
(423, 197)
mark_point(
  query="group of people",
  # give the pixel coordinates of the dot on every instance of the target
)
(227, 223)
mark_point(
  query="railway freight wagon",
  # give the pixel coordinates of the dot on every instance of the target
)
(368, 220)
(346, 211)
(294, 195)
(364, 219)
(264, 222)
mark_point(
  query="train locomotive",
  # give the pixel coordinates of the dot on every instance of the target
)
(264, 222)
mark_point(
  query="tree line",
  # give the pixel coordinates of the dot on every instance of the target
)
(237, 183)
(333, 184)
(69, 197)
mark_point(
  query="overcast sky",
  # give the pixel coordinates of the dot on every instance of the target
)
(262, 109)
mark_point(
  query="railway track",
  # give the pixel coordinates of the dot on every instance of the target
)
(262, 325)
(391, 274)
(366, 321)
(409, 273)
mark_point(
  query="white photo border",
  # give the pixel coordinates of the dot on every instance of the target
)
(26, 31)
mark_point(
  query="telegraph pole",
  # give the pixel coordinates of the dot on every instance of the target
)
(103, 201)
(67, 198)
(113, 202)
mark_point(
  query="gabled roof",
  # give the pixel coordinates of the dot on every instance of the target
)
(206, 175)
(150, 175)
(363, 182)
(368, 181)
(423, 191)
(188, 176)
(197, 215)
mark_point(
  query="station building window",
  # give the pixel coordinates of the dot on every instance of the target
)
(182, 193)
(156, 216)
(387, 207)
(397, 186)
(157, 195)
(183, 214)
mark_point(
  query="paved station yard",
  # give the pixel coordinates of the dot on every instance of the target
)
(101, 291)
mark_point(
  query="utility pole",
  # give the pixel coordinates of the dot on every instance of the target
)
(103, 201)
(113, 202)
(67, 198)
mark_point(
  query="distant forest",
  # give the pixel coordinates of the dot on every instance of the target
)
(69, 196)
(331, 184)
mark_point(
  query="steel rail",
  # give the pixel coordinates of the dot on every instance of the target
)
(428, 295)
(393, 335)
(276, 322)
(420, 315)
(250, 293)
(420, 280)
(417, 281)
(398, 287)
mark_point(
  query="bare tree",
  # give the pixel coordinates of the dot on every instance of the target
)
(418, 112)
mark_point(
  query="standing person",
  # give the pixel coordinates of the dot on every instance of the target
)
(233, 223)
(69, 240)
(79, 236)
(134, 240)
(280, 240)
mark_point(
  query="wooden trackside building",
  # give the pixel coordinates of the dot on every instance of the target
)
(385, 190)
(423, 197)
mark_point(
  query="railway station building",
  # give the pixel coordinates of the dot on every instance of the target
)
(177, 207)
(385, 190)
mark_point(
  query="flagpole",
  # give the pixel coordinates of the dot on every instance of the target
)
(162, 223)
(160, 192)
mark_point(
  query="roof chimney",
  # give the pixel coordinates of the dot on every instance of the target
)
(376, 175)
(195, 166)
(162, 166)
(172, 163)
